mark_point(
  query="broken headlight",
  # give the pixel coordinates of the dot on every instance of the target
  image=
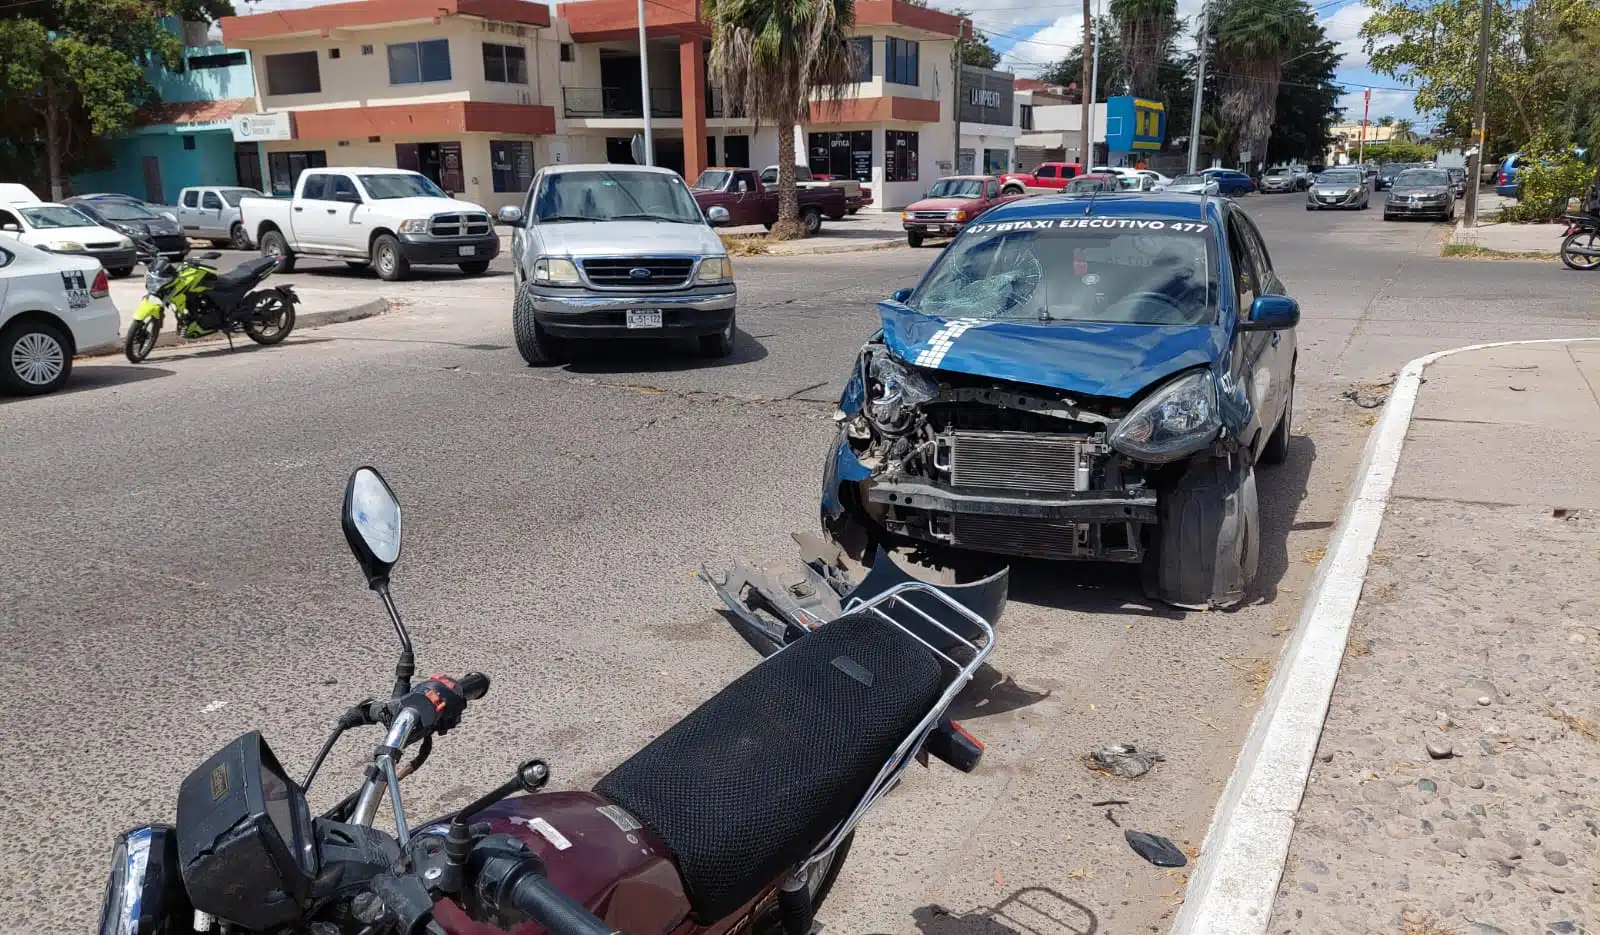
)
(893, 391)
(1175, 421)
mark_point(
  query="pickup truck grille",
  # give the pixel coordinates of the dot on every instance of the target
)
(618, 271)
(460, 225)
(1020, 461)
(930, 215)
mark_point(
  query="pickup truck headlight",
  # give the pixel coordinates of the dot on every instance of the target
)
(715, 269)
(556, 271)
(414, 226)
(905, 215)
(959, 214)
(65, 246)
(1175, 421)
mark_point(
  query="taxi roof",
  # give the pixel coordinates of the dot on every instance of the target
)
(1180, 206)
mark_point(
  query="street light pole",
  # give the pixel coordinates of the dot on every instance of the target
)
(1094, 72)
(644, 88)
(1199, 92)
(955, 160)
(1480, 118)
(1086, 138)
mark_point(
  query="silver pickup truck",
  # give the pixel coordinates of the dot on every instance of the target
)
(608, 252)
(211, 212)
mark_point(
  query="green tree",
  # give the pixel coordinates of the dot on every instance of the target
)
(1308, 101)
(1385, 121)
(1145, 31)
(772, 56)
(1399, 151)
(1254, 40)
(1574, 61)
(975, 49)
(1403, 129)
(75, 70)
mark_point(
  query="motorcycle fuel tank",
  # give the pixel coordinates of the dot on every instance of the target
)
(594, 852)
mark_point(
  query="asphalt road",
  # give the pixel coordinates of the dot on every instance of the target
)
(175, 574)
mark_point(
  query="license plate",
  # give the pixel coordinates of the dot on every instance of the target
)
(468, 251)
(644, 318)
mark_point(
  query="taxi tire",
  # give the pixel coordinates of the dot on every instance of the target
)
(1276, 450)
(1206, 544)
(11, 382)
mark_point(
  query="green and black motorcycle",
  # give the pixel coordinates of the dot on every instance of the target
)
(204, 302)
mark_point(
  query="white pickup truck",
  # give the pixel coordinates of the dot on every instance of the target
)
(389, 219)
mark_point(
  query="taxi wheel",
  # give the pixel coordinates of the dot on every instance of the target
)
(35, 358)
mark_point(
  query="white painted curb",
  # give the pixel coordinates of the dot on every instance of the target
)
(1235, 881)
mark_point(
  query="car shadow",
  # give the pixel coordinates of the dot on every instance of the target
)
(1279, 491)
(658, 355)
(87, 377)
(1087, 587)
(992, 692)
(1030, 910)
(417, 273)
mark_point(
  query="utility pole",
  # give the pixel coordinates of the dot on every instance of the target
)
(1361, 147)
(1086, 144)
(1094, 73)
(644, 88)
(1480, 118)
(955, 160)
(1199, 90)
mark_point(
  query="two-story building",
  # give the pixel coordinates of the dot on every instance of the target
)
(459, 90)
(185, 139)
(989, 121)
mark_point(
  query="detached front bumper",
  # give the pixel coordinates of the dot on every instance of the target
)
(426, 249)
(566, 314)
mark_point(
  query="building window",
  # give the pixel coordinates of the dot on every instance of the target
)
(293, 73)
(567, 52)
(511, 164)
(366, 50)
(1027, 116)
(419, 62)
(188, 141)
(859, 51)
(507, 64)
(900, 62)
(221, 60)
(843, 154)
(285, 168)
(899, 155)
(333, 53)
(736, 151)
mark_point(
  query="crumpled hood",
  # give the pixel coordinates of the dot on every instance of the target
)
(626, 238)
(1087, 358)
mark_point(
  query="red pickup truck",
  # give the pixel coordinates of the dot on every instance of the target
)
(748, 202)
(952, 202)
(1048, 177)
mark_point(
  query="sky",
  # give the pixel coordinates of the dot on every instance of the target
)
(1031, 34)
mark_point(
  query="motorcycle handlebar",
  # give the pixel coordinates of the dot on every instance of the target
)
(559, 913)
(473, 685)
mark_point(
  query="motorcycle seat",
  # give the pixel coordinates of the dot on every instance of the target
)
(245, 275)
(748, 784)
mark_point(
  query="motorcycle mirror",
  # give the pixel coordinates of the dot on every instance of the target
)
(372, 524)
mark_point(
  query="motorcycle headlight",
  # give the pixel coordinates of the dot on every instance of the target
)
(715, 269)
(144, 892)
(414, 226)
(892, 391)
(1175, 421)
(556, 271)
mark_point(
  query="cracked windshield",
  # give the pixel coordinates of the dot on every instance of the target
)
(1146, 272)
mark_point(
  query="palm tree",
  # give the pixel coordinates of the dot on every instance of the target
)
(1403, 130)
(771, 56)
(1385, 121)
(1145, 29)
(1253, 40)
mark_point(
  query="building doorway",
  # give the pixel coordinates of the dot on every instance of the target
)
(247, 165)
(152, 181)
(440, 162)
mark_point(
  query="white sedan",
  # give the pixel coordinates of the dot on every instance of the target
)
(52, 306)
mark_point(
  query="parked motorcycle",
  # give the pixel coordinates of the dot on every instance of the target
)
(1581, 248)
(204, 302)
(737, 819)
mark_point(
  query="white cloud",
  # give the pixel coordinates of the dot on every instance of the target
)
(1343, 27)
(1384, 104)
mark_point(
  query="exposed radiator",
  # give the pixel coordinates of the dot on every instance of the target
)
(1023, 461)
(1013, 535)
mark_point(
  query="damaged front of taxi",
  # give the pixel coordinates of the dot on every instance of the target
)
(1068, 387)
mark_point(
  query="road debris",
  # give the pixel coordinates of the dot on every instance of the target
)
(1441, 751)
(1108, 802)
(1155, 848)
(1123, 759)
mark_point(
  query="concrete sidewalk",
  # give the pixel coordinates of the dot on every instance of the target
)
(318, 307)
(1456, 787)
(1503, 236)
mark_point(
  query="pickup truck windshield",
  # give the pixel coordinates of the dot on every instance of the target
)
(614, 196)
(957, 188)
(235, 195)
(713, 180)
(54, 217)
(384, 187)
(1121, 270)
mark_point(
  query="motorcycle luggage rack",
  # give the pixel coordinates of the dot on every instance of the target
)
(884, 606)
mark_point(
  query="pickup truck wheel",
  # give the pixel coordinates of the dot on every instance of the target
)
(475, 268)
(852, 211)
(811, 218)
(1204, 549)
(273, 244)
(721, 343)
(386, 256)
(913, 238)
(536, 346)
(237, 237)
(1012, 190)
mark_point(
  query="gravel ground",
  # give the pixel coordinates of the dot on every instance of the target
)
(1455, 790)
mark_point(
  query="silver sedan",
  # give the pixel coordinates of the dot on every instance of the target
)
(1339, 188)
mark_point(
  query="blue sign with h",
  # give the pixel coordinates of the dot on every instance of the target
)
(1134, 124)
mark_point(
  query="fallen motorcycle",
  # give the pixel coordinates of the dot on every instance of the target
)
(738, 818)
(204, 302)
(1580, 249)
